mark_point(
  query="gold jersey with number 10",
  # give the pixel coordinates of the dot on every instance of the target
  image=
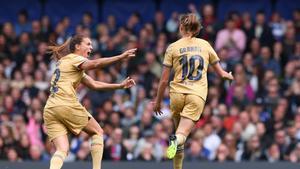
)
(189, 58)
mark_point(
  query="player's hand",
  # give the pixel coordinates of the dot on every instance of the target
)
(157, 108)
(128, 83)
(129, 53)
(229, 76)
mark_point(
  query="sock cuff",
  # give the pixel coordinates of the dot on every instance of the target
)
(60, 154)
(180, 148)
(180, 138)
(97, 140)
(180, 134)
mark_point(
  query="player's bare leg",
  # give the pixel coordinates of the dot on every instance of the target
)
(96, 133)
(61, 144)
(176, 148)
(172, 149)
(184, 128)
(179, 156)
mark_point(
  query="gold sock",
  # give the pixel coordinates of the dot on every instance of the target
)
(180, 138)
(57, 159)
(97, 151)
(178, 159)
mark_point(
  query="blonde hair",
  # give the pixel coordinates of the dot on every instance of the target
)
(190, 24)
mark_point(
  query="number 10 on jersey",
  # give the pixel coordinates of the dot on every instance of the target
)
(188, 67)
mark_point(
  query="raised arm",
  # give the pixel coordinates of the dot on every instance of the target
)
(102, 62)
(225, 75)
(97, 85)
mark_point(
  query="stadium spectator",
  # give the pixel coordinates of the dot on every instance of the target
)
(233, 39)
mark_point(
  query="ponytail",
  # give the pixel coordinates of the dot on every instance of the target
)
(190, 24)
(59, 51)
(66, 48)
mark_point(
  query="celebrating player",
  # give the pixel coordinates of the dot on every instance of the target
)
(63, 113)
(189, 57)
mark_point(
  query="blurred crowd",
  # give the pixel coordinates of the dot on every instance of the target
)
(255, 118)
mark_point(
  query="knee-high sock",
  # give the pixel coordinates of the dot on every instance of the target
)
(57, 160)
(178, 159)
(97, 151)
(180, 139)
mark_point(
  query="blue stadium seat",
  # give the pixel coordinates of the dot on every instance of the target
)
(72, 8)
(180, 6)
(9, 10)
(286, 8)
(122, 10)
(252, 6)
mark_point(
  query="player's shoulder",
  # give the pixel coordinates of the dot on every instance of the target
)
(179, 42)
(175, 45)
(68, 56)
(171, 47)
(202, 41)
(74, 57)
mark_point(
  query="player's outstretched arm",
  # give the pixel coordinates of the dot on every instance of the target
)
(221, 72)
(102, 62)
(97, 85)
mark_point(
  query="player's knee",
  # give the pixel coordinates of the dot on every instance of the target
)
(97, 140)
(63, 151)
(99, 131)
(97, 137)
(63, 148)
(97, 128)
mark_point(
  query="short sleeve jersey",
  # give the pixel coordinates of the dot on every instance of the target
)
(189, 58)
(65, 80)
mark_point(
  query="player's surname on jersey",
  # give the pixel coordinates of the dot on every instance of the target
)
(190, 49)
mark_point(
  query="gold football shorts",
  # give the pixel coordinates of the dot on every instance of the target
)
(186, 105)
(62, 120)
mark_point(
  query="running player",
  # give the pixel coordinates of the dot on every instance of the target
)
(189, 57)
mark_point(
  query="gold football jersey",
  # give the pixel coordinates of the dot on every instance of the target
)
(189, 58)
(65, 80)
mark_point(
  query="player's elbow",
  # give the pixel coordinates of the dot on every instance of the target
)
(92, 85)
(88, 65)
